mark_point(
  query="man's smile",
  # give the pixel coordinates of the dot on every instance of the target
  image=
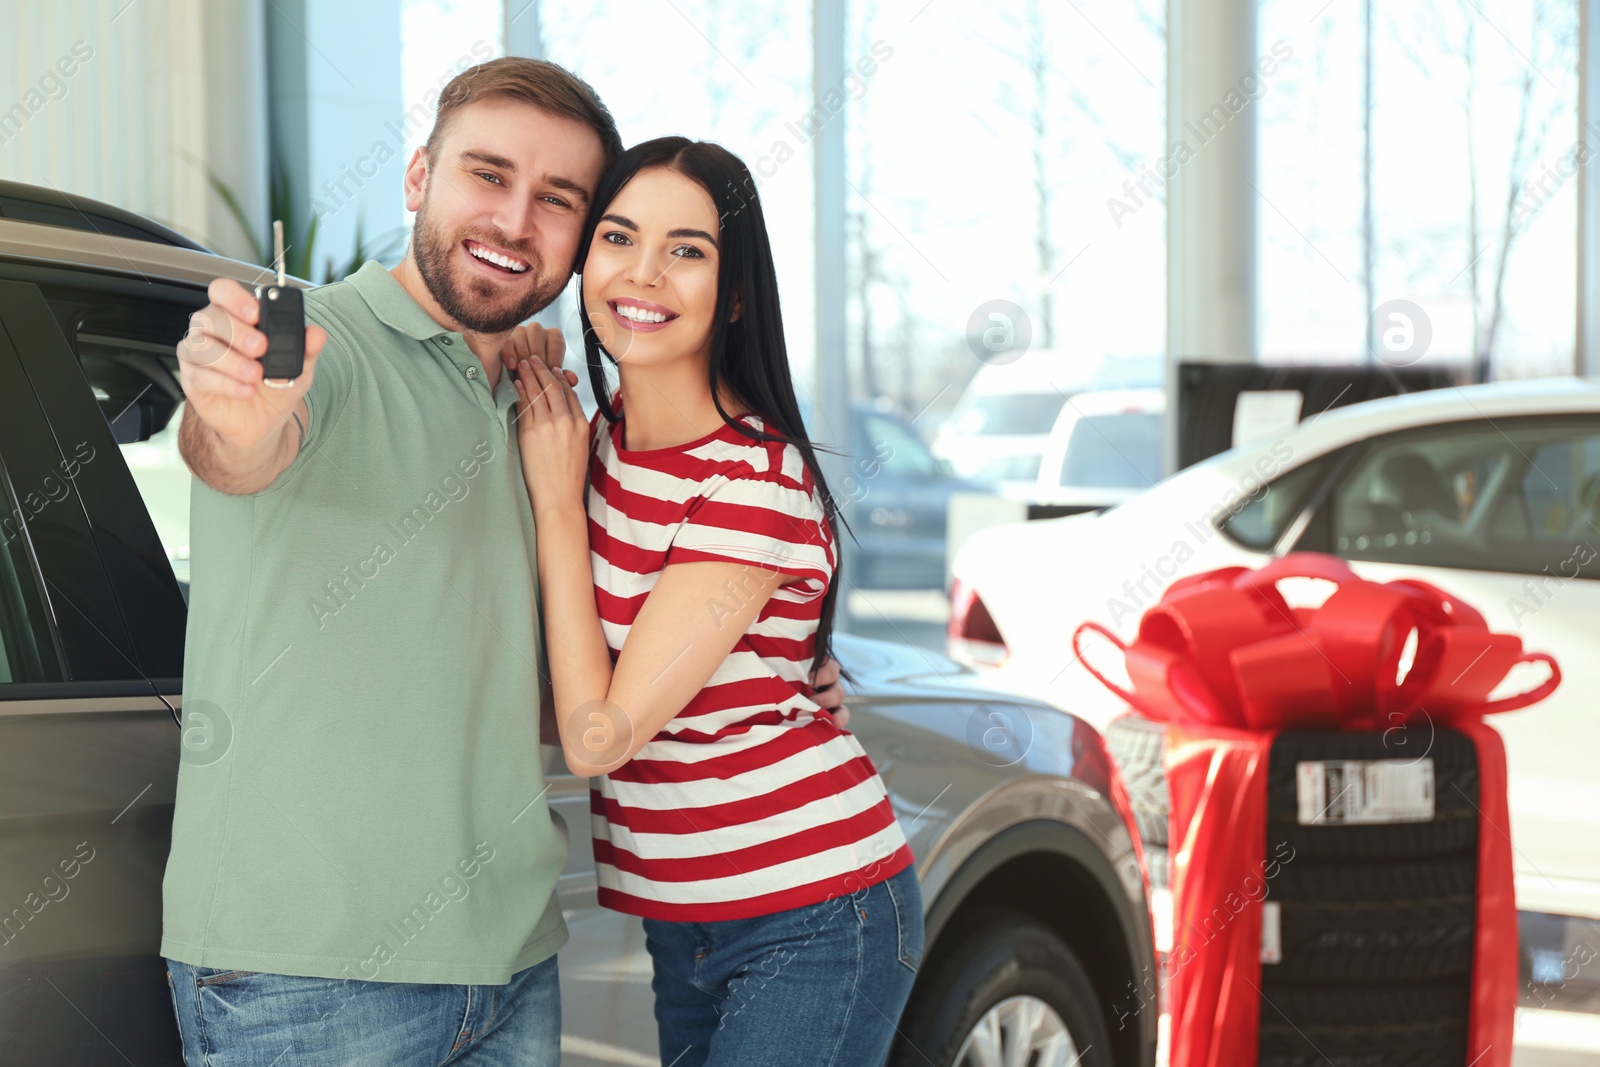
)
(495, 259)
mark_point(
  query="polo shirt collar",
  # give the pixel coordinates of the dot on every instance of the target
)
(391, 303)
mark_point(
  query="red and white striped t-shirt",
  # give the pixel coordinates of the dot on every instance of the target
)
(750, 801)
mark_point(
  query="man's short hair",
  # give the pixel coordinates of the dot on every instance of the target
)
(547, 86)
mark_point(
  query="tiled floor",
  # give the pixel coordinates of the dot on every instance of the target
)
(1544, 1039)
(1548, 1038)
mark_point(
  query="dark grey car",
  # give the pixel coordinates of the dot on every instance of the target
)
(1038, 932)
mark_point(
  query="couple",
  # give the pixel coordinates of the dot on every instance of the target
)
(420, 555)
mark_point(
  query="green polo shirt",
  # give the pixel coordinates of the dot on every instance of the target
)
(360, 792)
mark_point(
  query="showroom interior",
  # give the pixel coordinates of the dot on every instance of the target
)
(1206, 393)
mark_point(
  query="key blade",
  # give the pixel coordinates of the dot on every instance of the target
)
(277, 249)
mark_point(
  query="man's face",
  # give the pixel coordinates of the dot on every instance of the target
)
(500, 211)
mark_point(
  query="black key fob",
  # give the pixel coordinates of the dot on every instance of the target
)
(283, 320)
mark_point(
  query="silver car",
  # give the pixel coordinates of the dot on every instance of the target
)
(1039, 945)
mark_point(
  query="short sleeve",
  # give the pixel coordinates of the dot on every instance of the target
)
(330, 387)
(768, 520)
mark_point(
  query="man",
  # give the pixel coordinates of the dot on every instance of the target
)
(367, 872)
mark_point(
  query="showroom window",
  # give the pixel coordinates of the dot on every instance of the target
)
(1473, 184)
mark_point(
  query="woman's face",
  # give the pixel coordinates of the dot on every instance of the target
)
(650, 280)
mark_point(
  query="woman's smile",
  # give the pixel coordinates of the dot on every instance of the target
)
(641, 316)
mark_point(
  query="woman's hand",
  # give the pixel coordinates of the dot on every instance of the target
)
(828, 692)
(553, 433)
(532, 341)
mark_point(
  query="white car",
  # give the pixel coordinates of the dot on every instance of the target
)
(1104, 448)
(1000, 427)
(1490, 492)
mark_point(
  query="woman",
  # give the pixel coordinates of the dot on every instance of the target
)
(748, 830)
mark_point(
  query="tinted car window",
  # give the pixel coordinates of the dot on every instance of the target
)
(1560, 491)
(1263, 517)
(1122, 450)
(127, 355)
(25, 651)
(900, 448)
(100, 352)
(162, 478)
(1513, 497)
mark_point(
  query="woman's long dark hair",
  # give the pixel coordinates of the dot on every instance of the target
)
(748, 355)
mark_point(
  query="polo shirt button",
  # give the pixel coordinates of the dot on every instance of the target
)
(471, 373)
(446, 341)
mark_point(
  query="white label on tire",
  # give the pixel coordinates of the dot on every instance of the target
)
(1352, 792)
(1271, 932)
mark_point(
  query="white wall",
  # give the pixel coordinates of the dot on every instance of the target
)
(129, 102)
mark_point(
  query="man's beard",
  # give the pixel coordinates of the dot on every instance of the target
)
(477, 305)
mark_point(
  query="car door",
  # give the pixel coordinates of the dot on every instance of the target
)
(1505, 515)
(88, 750)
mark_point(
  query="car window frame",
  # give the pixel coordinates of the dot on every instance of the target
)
(108, 493)
(94, 653)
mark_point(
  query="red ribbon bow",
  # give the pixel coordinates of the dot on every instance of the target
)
(1223, 648)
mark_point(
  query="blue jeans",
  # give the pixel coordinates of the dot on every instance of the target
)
(253, 1019)
(821, 985)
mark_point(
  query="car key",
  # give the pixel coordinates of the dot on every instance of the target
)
(283, 320)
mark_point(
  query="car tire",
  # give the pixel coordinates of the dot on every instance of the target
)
(996, 960)
(1454, 877)
(1139, 747)
(1419, 1026)
(1349, 942)
(1453, 828)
